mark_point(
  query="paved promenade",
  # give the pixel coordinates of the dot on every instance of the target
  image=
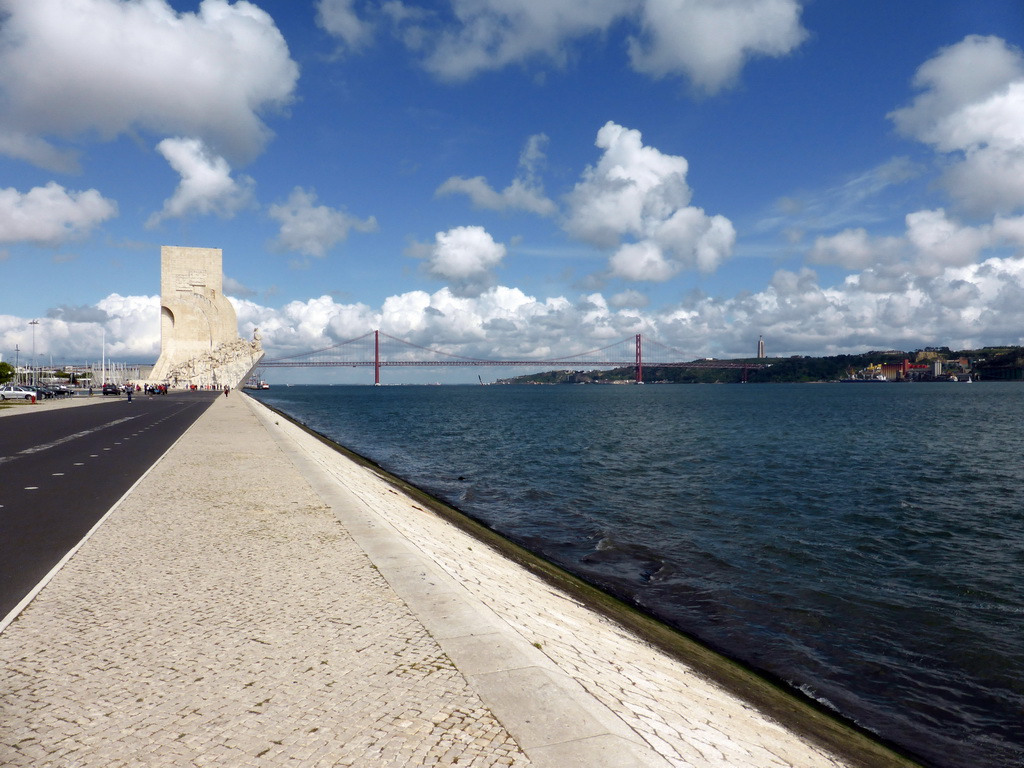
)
(260, 600)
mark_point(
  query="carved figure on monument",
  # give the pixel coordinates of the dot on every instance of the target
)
(199, 341)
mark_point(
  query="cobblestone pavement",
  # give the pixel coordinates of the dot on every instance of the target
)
(260, 600)
(222, 616)
(686, 719)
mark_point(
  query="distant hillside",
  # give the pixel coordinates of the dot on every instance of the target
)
(987, 363)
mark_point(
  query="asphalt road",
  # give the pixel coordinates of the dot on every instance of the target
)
(62, 470)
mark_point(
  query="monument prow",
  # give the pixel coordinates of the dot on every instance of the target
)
(199, 341)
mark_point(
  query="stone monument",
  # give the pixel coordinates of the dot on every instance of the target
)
(199, 341)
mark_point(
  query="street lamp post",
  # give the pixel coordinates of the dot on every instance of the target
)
(33, 323)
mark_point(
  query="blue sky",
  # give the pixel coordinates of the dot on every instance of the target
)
(494, 177)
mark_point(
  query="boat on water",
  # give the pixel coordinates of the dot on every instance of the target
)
(256, 384)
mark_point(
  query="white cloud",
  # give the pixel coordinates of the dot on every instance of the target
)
(237, 288)
(641, 261)
(943, 280)
(940, 242)
(491, 34)
(931, 243)
(37, 151)
(796, 312)
(206, 185)
(637, 192)
(711, 40)
(339, 18)
(969, 305)
(708, 41)
(630, 298)
(972, 106)
(526, 192)
(130, 326)
(855, 249)
(313, 229)
(51, 215)
(71, 68)
(466, 257)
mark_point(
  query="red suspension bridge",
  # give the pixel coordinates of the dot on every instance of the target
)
(378, 350)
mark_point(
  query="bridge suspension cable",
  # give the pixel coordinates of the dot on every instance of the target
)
(366, 351)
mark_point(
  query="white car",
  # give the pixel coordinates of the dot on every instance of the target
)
(14, 392)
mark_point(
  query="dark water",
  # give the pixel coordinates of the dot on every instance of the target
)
(863, 543)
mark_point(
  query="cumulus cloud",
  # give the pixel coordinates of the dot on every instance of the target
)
(492, 34)
(637, 192)
(466, 258)
(969, 305)
(932, 242)
(526, 192)
(37, 151)
(82, 313)
(130, 326)
(237, 288)
(206, 184)
(500, 323)
(630, 298)
(51, 215)
(796, 312)
(971, 106)
(339, 18)
(855, 249)
(710, 40)
(70, 68)
(940, 242)
(944, 275)
(313, 229)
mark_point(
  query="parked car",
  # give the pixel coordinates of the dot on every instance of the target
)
(111, 389)
(15, 392)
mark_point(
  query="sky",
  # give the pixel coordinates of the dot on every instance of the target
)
(510, 179)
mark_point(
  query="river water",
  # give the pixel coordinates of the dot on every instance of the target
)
(862, 543)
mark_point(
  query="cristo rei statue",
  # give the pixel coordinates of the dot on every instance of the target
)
(199, 341)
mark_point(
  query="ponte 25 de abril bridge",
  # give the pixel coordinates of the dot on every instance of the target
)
(377, 349)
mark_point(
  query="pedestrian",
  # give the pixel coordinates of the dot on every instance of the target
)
(130, 388)
(226, 390)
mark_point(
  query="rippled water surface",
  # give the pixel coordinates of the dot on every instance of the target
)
(863, 543)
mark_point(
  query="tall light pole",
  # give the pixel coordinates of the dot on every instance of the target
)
(33, 323)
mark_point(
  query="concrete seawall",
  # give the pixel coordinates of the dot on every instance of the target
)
(262, 599)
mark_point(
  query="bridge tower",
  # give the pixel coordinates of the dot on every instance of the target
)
(376, 358)
(639, 360)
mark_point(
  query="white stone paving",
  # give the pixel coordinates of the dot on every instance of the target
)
(222, 616)
(679, 715)
(261, 600)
